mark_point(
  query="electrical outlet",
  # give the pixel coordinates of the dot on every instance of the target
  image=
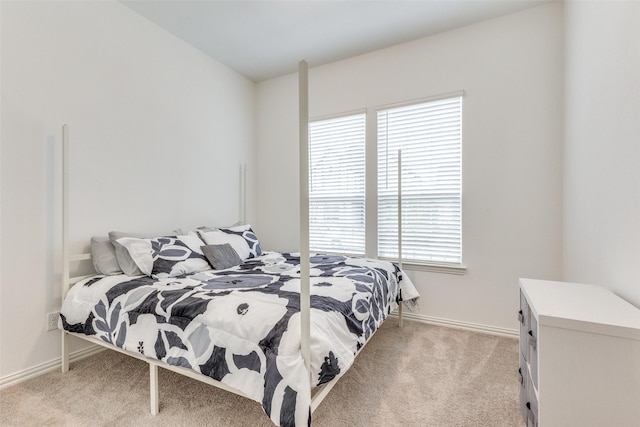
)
(52, 320)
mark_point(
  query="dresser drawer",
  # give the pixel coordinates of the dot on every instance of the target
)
(528, 400)
(532, 344)
(523, 318)
(522, 379)
(531, 418)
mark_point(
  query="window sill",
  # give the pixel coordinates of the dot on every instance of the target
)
(433, 267)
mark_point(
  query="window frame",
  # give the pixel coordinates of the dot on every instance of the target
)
(453, 267)
(371, 196)
(359, 112)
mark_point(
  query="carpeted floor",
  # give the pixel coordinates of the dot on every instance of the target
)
(421, 375)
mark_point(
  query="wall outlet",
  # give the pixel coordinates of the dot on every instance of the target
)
(52, 320)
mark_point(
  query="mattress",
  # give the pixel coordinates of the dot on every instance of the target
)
(241, 326)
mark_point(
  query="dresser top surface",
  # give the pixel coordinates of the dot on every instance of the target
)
(587, 308)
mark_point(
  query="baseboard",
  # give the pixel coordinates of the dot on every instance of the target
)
(493, 330)
(47, 367)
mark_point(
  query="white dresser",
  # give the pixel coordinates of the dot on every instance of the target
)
(579, 356)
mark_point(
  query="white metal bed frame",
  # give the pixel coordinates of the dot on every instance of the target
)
(318, 393)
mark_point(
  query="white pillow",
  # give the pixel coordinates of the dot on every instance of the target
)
(167, 256)
(241, 238)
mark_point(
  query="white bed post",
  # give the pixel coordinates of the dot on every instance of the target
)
(154, 395)
(64, 279)
(305, 293)
(400, 322)
(243, 193)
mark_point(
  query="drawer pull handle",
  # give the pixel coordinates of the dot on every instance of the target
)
(531, 417)
(520, 377)
(532, 340)
(521, 317)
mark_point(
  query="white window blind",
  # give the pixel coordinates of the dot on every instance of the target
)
(337, 185)
(429, 135)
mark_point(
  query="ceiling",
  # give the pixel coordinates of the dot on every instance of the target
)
(265, 39)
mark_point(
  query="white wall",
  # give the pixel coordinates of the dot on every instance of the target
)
(511, 71)
(602, 146)
(157, 134)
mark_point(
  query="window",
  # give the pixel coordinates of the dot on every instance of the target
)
(429, 135)
(337, 185)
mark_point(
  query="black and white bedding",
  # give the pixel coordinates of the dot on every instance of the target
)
(241, 325)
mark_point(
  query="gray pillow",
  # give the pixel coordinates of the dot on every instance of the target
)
(221, 256)
(103, 255)
(126, 263)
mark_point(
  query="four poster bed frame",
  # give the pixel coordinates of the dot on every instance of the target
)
(318, 393)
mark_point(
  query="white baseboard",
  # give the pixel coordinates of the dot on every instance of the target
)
(47, 367)
(475, 327)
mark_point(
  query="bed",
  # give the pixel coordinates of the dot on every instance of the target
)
(278, 328)
(241, 325)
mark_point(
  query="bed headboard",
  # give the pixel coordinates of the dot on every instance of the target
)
(68, 278)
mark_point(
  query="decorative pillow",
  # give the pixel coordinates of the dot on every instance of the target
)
(241, 238)
(103, 255)
(221, 256)
(126, 263)
(166, 256)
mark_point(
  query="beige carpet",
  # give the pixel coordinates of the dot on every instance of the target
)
(421, 375)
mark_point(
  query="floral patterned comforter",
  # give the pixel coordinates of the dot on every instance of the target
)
(241, 325)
